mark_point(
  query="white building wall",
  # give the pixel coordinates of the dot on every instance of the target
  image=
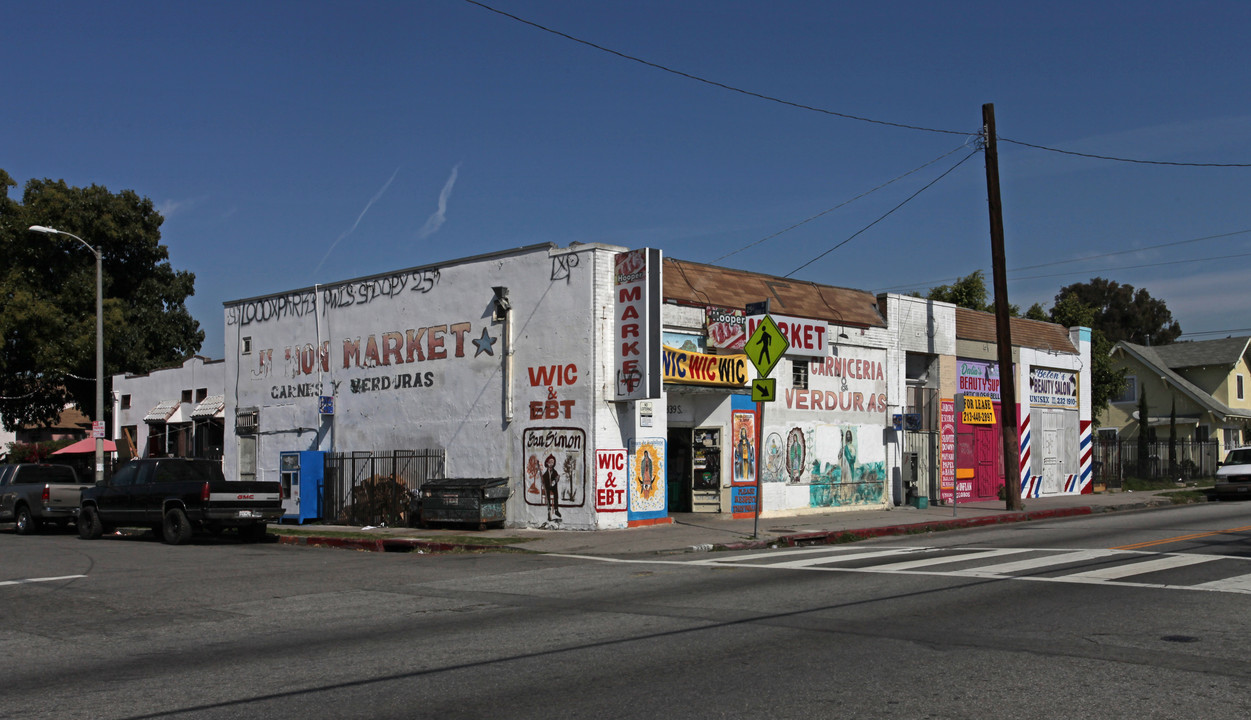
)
(1052, 437)
(914, 325)
(414, 360)
(168, 384)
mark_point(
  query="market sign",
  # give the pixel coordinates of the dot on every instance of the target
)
(978, 411)
(636, 347)
(694, 368)
(1052, 388)
(805, 336)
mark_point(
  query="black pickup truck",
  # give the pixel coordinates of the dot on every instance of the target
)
(177, 496)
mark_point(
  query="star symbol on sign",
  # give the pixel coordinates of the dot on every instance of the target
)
(484, 344)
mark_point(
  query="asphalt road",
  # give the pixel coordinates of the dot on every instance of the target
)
(1010, 622)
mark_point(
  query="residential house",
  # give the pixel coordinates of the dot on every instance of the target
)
(1204, 382)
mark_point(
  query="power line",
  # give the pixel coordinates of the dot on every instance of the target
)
(706, 81)
(883, 217)
(825, 111)
(939, 281)
(1121, 159)
(1135, 267)
(1217, 332)
(836, 207)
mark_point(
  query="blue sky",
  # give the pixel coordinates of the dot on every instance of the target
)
(288, 143)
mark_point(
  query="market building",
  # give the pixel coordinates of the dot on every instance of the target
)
(607, 387)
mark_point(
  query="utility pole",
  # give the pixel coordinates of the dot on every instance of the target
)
(1003, 329)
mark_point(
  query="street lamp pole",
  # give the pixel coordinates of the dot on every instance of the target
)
(99, 418)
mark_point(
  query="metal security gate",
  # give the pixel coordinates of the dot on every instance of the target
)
(369, 488)
(923, 446)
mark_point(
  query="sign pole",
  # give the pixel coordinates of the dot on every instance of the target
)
(755, 524)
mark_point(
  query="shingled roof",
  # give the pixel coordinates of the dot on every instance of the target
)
(1226, 352)
(698, 284)
(980, 327)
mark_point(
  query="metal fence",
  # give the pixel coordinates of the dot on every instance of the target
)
(1114, 460)
(376, 488)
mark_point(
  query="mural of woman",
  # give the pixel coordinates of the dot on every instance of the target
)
(647, 475)
(744, 457)
(551, 483)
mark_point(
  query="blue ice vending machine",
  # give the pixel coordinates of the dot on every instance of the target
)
(302, 475)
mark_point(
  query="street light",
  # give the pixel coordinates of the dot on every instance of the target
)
(99, 418)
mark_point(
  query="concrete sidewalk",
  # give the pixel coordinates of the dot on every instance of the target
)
(693, 533)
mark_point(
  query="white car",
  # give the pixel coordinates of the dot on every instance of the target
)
(1233, 477)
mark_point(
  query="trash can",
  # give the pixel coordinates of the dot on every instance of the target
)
(473, 501)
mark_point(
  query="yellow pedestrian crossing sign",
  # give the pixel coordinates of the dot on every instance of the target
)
(766, 346)
(764, 390)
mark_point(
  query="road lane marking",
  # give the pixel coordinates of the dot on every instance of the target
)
(1036, 563)
(1180, 538)
(1241, 583)
(1167, 562)
(945, 559)
(24, 581)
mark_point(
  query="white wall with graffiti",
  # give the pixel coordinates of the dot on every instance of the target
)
(487, 358)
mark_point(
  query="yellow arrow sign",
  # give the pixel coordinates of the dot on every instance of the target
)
(764, 390)
(766, 346)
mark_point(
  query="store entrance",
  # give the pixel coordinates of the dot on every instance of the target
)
(678, 468)
(694, 469)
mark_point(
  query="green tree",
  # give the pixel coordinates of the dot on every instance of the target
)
(1123, 313)
(47, 283)
(969, 292)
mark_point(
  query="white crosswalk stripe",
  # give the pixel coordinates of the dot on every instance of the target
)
(1113, 567)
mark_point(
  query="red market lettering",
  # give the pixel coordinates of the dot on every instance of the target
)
(414, 345)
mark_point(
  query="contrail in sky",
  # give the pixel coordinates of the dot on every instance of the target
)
(368, 205)
(436, 220)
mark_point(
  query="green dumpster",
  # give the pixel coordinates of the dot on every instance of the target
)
(471, 501)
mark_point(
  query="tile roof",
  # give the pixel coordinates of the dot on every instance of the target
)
(980, 326)
(699, 284)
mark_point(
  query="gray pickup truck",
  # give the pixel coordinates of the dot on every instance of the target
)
(32, 494)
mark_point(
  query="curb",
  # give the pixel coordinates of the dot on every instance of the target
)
(838, 537)
(407, 545)
(825, 537)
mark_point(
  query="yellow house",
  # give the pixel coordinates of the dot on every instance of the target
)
(1207, 380)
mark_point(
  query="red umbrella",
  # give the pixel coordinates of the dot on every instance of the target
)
(86, 445)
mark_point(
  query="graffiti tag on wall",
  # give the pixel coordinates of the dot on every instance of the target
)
(343, 295)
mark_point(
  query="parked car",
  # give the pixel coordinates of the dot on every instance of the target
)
(1233, 477)
(177, 496)
(32, 494)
